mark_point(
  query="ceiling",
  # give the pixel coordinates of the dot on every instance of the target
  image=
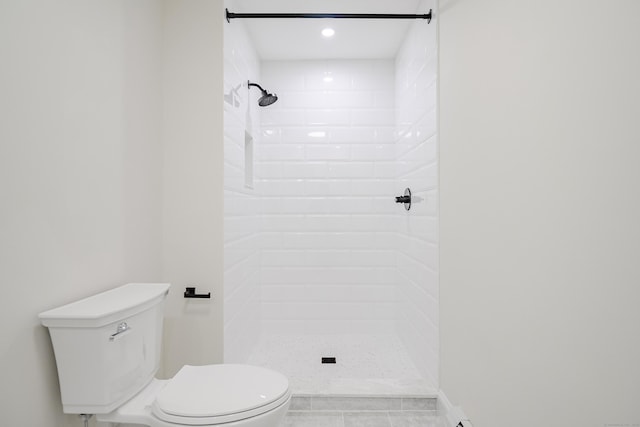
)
(287, 39)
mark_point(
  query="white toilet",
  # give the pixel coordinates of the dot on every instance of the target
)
(107, 350)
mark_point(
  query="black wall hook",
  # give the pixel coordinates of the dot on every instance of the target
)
(191, 293)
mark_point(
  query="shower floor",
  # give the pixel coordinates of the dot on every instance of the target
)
(366, 365)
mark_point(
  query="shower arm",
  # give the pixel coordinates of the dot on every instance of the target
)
(249, 84)
(232, 15)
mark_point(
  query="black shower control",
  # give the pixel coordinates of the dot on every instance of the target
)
(406, 199)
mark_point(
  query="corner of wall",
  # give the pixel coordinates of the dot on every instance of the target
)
(193, 181)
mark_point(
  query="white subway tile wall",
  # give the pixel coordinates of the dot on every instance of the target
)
(242, 237)
(417, 167)
(326, 171)
(318, 245)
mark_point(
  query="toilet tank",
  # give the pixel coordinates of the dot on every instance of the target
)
(107, 347)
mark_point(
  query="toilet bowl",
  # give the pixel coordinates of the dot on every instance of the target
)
(107, 350)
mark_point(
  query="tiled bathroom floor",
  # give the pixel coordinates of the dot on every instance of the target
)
(362, 412)
(367, 365)
(361, 419)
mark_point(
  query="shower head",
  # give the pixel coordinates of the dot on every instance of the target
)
(266, 98)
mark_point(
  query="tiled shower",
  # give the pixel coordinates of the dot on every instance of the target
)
(319, 259)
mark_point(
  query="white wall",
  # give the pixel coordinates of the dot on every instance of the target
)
(80, 186)
(417, 168)
(540, 205)
(104, 106)
(193, 180)
(326, 171)
(242, 235)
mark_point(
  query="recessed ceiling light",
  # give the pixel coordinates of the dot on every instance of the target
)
(328, 32)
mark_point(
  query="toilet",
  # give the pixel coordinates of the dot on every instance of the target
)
(107, 351)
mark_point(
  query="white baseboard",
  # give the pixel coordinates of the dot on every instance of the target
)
(453, 415)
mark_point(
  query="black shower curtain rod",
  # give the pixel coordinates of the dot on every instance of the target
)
(232, 15)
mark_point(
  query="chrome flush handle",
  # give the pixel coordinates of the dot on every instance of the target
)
(120, 330)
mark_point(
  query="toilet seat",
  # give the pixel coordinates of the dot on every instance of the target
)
(216, 394)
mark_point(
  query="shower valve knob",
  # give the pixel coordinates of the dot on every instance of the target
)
(406, 199)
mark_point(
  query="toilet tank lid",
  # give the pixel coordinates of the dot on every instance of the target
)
(106, 307)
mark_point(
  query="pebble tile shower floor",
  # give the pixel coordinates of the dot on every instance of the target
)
(367, 365)
(372, 384)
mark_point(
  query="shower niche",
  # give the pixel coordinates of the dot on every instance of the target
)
(320, 260)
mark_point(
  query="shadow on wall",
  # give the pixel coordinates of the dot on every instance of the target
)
(45, 366)
(446, 5)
